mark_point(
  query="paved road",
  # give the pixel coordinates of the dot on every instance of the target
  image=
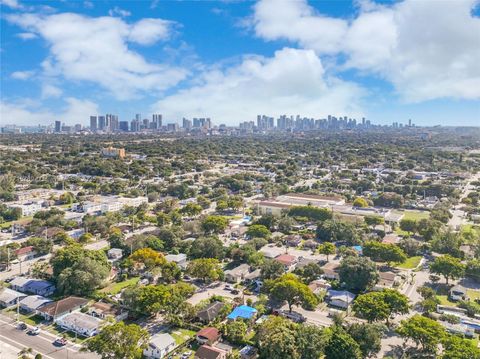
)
(24, 267)
(459, 215)
(10, 337)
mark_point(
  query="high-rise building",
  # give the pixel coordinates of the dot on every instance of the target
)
(93, 123)
(101, 123)
(157, 119)
(58, 126)
(135, 125)
(78, 127)
(186, 124)
(123, 126)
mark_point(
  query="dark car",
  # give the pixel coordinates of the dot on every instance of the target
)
(60, 342)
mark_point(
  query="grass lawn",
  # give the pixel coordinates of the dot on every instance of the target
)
(181, 335)
(23, 220)
(115, 288)
(445, 301)
(410, 263)
(473, 294)
(416, 215)
(29, 319)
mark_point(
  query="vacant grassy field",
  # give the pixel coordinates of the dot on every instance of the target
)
(416, 215)
(115, 288)
(410, 263)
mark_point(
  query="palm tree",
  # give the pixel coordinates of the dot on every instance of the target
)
(25, 353)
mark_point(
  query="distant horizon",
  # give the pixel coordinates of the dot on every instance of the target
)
(232, 60)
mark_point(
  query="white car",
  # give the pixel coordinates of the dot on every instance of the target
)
(34, 331)
(228, 287)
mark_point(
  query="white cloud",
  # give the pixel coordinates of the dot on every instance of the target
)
(14, 4)
(96, 50)
(427, 49)
(291, 82)
(120, 12)
(49, 91)
(26, 35)
(88, 5)
(75, 111)
(22, 75)
(149, 31)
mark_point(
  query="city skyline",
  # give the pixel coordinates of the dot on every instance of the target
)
(233, 60)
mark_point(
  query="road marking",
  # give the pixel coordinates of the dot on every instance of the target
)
(45, 332)
(23, 346)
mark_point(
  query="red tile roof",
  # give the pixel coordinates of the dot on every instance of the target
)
(210, 333)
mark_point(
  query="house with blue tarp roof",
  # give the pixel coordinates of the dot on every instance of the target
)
(242, 311)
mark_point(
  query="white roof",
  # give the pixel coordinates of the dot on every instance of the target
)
(7, 295)
(162, 340)
(81, 320)
(34, 301)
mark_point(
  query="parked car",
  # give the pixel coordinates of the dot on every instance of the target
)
(21, 326)
(228, 287)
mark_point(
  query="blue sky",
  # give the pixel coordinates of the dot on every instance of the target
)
(230, 60)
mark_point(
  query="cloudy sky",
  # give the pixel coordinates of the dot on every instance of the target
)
(231, 60)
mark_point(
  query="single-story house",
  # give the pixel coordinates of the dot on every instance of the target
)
(319, 285)
(208, 352)
(391, 239)
(458, 292)
(241, 273)
(386, 280)
(310, 244)
(242, 311)
(33, 286)
(302, 262)
(159, 346)
(210, 312)
(330, 270)
(208, 335)
(340, 298)
(268, 253)
(25, 253)
(103, 310)
(80, 323)
(287, 260)
(248, 352)
(180, 259)
(293, 240)
(33, 302)
(9, 297)
(55, 310)
(115, 253)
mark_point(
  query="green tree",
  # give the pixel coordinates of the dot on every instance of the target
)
(258, 230)
(342, 346)
(206, 269)
(207, 247)
(360, 202)
(83, 277)
(367, 336)
(290, 289)
(214, 224)
(459, 348)
(309, 272)
(472, 269)
(192, 209)
(235, 331)
(408, 225)
(373, 221)
(311, 341)
(358, 273)
(448, 266)
(277, 338)
(425, 332)
(310, 212)
(119, 340)
(327, 248)
(384, 252)
(371, 306)
(272, 269)
(148, 258)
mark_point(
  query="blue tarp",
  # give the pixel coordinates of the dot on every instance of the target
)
(243, 311)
